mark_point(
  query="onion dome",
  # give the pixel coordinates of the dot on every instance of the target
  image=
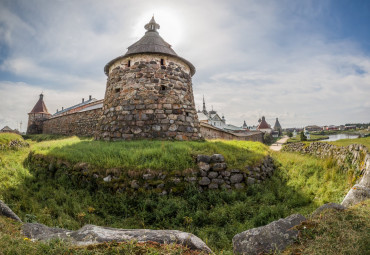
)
(151, 43)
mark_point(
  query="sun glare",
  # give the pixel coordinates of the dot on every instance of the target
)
(170, 21)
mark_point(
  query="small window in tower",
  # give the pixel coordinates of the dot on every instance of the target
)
(129, 63)
(117, 90)
(163, 88)
(187, 114)
(162, 62)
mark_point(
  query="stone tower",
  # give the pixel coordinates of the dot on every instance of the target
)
(36, 117)
(149, 93)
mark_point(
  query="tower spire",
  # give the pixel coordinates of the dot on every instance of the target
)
(204, 105)
(152, 25)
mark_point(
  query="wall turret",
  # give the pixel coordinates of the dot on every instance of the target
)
(37, 116)
(149, 93)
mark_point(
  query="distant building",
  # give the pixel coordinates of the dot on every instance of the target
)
(37, 116)
(313, 128)
(263, 126)
(277, 128)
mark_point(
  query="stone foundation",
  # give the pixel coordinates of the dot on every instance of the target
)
(212, 172)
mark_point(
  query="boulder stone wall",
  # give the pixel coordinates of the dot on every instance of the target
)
(211, 172)
(149, 96)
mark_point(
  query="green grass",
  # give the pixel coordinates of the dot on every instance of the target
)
(335, 232)
(155, 155)
(300, 185)
(312, 138)
(346, 142)
(5, 138)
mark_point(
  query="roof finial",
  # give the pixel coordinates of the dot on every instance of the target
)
(152, 25)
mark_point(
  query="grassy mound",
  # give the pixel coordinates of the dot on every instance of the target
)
(300, 185)
(11, 141)
(155, 155)
(335, 232)
(346, 142)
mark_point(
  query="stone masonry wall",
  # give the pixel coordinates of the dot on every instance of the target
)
(78, 123)
(149, 100)
(212, 172)
(210, 132)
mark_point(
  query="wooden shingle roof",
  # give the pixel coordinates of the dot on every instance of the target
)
(40, 106)
(150, 43)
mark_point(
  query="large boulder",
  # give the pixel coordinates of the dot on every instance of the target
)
(357, 194)
(90, 234)
(328, 206)
(273, 237)
(7, 212)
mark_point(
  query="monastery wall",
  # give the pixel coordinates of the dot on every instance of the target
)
(210, 132)
(77, 123)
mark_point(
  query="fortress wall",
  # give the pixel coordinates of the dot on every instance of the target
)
(211, 132)
(77, 123)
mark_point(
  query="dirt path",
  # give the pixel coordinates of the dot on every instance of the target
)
(279, 144)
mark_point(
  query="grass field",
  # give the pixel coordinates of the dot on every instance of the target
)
(345, 142)
(155, 155)
(5, 138)
(299, 185)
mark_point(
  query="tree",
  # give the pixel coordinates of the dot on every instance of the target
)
(290, 134)
(267, 138)
(303, 137)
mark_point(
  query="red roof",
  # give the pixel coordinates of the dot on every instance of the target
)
(263, 124)
(40, 106)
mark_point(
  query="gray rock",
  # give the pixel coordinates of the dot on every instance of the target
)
(108, 178)
(328, 206)
(7, 212)
(236, 178)
(275, 236)
(204, 181)
(235, 170)
(213, 186)
(90, 234)
(357, 194)
(148, 176)
(225, 173)
(239, 185)
(191, 179)
(250, 181)
(212, 175)
(204, 166)
(219, 167)
(217, 158)
(135, 184)
(203, 158)
(218, 181)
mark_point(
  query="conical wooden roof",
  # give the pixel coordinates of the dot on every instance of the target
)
(263, 124)
(277, 124)
(40, 106)
(151, 42)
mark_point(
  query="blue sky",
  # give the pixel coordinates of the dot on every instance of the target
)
(305, 62)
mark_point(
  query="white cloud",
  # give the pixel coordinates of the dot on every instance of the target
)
(253, 58)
